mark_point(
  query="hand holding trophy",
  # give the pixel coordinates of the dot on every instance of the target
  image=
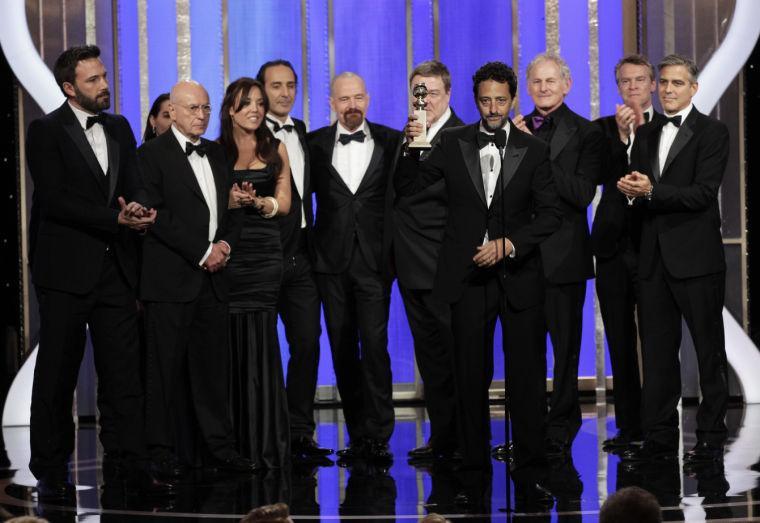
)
(420, 92)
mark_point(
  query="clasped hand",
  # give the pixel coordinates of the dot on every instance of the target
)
(634, 185)
(218, 257)
(135, 216)
(492, 252)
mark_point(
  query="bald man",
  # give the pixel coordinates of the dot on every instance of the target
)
(185, 293)
(350, 162)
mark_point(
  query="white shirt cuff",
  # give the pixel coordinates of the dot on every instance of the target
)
(205, 256)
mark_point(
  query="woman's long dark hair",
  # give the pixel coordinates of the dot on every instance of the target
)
(150, 132)
(265, 141)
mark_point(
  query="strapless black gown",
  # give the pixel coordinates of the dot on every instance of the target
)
(258, 399)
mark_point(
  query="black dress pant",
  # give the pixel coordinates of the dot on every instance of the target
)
(299, 309)
(430, 323)
(664, 301)
(356, 304)
(473, 320)
(110, 311)
(617, 289)
(188, 411)
(564, 321)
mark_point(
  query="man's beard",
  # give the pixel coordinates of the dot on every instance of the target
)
(93, 105)
(491, 129)
(353, 118)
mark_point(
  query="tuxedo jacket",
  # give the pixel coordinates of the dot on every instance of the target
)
(617, 225)
(342, 216)
(176, 243)
(74, 218)
(682, 219)
(525, 209)
(575, 150)
(290, 225)
(416, 231)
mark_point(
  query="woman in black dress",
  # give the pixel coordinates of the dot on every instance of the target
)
(260, 165)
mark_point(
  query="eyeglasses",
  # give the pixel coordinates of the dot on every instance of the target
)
(196, 108)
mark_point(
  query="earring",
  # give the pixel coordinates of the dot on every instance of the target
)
(154, 129)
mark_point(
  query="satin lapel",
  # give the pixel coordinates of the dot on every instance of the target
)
(113, 163)
(76, 133)
(328, 147)
(684, 134)
(653, 145)
(513, 157)
(306, 169)
(219, 169)
(178, 159)
(565, 129)
(377, 155)
(471, 156)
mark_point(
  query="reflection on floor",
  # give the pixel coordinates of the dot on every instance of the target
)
(721, 492)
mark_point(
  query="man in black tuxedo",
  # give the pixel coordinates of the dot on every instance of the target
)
(575, 147)
(350, 164)
(185, 293)
(84, 268)
(615, 238)
(299, 299)
(502, 204)
(417, 234)
(677, 166)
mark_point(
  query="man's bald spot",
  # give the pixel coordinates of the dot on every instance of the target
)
(187, 87)
(345, 76)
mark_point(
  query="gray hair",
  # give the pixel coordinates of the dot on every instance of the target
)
(677, 59)
(564, 69)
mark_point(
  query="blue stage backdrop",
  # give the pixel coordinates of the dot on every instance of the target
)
(380, 40)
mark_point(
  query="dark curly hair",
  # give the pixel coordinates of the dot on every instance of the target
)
(497, 71)
(265, 140)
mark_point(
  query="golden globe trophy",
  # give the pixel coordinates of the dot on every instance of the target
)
(420, 92)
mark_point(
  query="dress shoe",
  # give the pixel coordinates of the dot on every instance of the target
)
(305, 448)
(704, 452)
(502, 452)
(55, 489)
(427, 453)
(354, 450)
(648, 452)
(237, 464)
(620, 441)
(530, 497)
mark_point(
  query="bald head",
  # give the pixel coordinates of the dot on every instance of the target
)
(189, 108)
(349, 99)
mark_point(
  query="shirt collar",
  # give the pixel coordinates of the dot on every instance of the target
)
(80, 114)
(436, 127)
(684, 113)
(342, 130)
(270, 116)
(650, 111)
(182, 139)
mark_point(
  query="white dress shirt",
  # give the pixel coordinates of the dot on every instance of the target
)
(668, 135)
(650, 112)
(205, 177)
(351, 160)
(433, 130)
(96, 137)
(490, 169)
(295, 154)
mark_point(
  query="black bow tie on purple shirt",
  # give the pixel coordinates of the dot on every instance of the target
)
(92, 120)
(346, 138)
(277, 127)
(200, 149)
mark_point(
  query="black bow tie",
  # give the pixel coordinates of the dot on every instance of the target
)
(675, 120)
(277, 127)
(200, 149)
(92, 120)
(499, 138)
(346, 138)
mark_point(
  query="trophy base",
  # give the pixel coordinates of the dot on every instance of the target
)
(420, 145)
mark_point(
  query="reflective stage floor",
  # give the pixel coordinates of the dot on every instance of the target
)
(717, 493)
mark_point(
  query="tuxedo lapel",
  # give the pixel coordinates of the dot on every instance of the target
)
(178, 159)
(684, 134)
(565, 130)
(328, 147)
(653, 148)
(219, 170)
(471, 156)
(113, 162)
(377, 154)
(306, 169)
(76, 133)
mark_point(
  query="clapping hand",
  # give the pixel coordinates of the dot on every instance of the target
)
(135, 216)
